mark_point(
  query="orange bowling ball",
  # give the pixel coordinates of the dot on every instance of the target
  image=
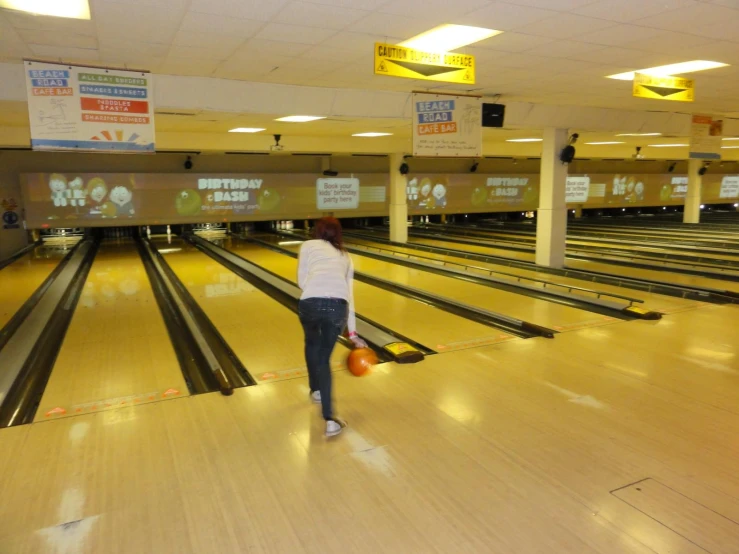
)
(361, 360)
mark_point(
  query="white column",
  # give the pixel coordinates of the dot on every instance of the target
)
(551, 219)
(398, 201)
(692, 212)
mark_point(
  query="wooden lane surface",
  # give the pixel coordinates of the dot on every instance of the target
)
(509, 448)
(602, 266)
(265, 335)
(655, 302)
(418, 321)
(19, 280)
(117, 349)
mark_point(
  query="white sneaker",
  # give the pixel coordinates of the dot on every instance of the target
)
(334, 427)
(316, 396)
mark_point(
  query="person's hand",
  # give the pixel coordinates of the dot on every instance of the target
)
(357, 341)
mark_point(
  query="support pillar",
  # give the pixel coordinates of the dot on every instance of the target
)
(398, 201)
(578, 211)
(692, 213)
(551, 221)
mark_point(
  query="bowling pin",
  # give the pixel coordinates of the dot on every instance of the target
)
(290, 224)
(169, 230)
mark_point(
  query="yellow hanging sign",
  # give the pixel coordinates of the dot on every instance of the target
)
(664, 88)
(399, 61)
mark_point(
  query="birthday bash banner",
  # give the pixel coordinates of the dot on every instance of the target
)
(89, 109)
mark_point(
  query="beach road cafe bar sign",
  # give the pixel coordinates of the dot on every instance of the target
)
(398, 61)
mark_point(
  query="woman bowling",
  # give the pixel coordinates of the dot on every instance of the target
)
(325, 275)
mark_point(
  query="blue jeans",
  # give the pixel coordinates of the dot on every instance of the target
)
(323, 320)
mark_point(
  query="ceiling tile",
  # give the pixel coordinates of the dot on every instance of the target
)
(338, 56)
(395, 27)
(503, 16)
(443, 9)
(630, 10)
(566, 26)
(564, 48)
(356, 42)
(110, 48)
(261, 10)
(513, 42)
(257, 66)
(188, 66)
(209, 23)
(225, 44)
(294, 33)
(150, 24)
(560, 5)
(689, 18)
(669, 42)
(259, 48)
(319, 15)
(53, 39)
(185, 52)
(67, 54)
(364, 4)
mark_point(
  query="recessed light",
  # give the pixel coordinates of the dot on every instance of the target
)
(245, 130)
(666, 145)
(604, 143)
(669, 70)
(74, 9)
(639, 135)
(525, 140)
(372, 134)
(446, 38)
(300, 118)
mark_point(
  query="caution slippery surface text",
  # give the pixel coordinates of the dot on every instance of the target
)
(399, 61)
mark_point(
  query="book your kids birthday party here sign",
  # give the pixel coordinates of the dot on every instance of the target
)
(89, 109)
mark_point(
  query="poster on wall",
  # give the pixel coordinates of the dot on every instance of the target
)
(447, 126)
(99, 199)
(577, 189)
(705, 137)
(457, 193)
(337, 194)
(729, 187)
(89, 109)
(10, 216)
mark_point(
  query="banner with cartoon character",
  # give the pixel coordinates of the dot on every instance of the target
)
(465, 192)
(89, 109)
(65, 199)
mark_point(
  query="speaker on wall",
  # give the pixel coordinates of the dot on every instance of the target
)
(493, 115)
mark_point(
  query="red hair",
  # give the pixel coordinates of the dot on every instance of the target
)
(329, 229)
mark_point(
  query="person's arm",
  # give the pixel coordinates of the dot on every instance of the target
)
(302, 266)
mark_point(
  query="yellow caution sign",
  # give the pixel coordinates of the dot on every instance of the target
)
(399, 61)
(664, 88)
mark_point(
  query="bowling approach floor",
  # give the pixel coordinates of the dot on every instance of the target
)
(611, 438)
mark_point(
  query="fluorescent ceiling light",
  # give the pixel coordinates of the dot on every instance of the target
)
(300, 118)
(730, 138)
(669, 70)
(75, 9)
(666, 145)
(372, 134)
(245, 130)
(446, 38)
(525, 140)
(640, 135)
(603, 143)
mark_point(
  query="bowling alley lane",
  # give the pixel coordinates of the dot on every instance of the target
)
(117, 350)
(600, 266)
(548, 314)
(265, 335)
(19, 280)
(655, 302)
(434, 328)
